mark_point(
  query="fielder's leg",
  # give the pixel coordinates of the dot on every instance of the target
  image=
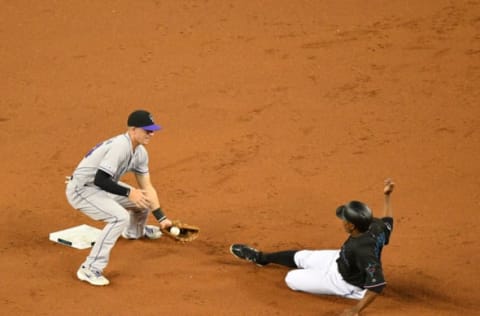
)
(99, 205)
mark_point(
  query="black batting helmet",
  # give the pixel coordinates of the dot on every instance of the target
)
(357, 213)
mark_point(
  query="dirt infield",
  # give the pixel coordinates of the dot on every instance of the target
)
(274, 113)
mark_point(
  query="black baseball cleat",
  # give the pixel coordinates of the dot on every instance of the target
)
(246, 253)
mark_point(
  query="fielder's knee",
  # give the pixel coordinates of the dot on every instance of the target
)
(123, 218)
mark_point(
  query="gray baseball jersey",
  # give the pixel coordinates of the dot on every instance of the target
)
(115, 157)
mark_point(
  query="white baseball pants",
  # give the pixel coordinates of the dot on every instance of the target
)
(318, 274)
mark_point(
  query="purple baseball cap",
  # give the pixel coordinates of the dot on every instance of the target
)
(142, 119)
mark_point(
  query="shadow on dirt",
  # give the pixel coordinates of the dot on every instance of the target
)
(418, 287)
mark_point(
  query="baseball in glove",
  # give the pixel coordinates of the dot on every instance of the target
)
(180, 231)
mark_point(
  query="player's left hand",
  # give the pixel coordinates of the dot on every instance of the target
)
(186, 232)
(388, 187)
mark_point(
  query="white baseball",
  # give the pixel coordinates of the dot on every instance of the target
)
(175, 230)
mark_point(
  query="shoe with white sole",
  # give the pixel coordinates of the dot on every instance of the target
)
(149, 231)
(92, 277)
(125, 235)
(152, 232)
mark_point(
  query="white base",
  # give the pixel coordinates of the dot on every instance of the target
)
(80, 237)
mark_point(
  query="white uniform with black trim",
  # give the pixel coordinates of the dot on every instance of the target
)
(317, 273)
(114, 156)
(348, 272)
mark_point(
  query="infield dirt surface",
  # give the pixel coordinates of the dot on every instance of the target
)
(273, 114)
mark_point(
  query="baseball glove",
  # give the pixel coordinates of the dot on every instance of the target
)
(186, 232)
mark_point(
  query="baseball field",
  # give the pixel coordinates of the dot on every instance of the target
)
(274, 112)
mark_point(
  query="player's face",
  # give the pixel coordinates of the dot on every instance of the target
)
(142, 136)
(348, 227)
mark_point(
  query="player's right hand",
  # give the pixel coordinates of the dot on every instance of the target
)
(166, 223)
(139, 197)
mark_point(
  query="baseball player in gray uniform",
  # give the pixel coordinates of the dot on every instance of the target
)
(94, 189)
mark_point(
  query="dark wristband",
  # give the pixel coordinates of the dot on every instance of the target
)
(159, 215)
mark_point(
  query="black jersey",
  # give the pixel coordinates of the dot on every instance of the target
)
(360, 257)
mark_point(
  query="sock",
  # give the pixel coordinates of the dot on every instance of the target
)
(284, 258)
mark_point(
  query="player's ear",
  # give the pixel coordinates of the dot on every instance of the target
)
(351, 227)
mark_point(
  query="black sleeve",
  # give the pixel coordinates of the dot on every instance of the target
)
(105, 182)
(378, 289)
(370, 265)
(388, 221)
